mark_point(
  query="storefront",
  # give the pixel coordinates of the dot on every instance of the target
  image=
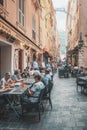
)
(72, 56)
(15, 48)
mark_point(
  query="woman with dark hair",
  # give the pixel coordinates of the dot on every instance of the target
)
(17, 76)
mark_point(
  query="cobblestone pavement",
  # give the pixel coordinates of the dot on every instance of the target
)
(69, 110)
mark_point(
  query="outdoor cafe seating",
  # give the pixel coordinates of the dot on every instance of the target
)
(63, 73)
(32, 104)
(18, 93)
(81, 81)
(47, 93)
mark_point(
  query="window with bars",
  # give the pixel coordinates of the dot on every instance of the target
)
(21, 12)
(2, 2)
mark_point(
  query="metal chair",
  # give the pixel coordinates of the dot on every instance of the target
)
(47, 92)
(32, 104)
(80, 82)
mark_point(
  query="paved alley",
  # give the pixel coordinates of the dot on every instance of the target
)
(69, 110)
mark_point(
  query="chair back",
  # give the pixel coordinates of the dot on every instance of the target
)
(48, 88)
(41, 95)
(80, 75)
(78, 79)
(50, 85)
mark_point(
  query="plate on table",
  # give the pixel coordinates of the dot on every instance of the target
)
(18, 84)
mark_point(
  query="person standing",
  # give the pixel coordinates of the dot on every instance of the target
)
(35, 65)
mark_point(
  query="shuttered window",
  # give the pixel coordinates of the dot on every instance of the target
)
(21, 12)
(33, 27)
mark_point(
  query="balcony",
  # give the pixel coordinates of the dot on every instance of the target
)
(36, 3)
(3, 11)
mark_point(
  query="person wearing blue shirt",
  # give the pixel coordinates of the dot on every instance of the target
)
(35, 65)
(46, 77)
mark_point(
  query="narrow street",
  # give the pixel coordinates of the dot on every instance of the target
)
(69, 110)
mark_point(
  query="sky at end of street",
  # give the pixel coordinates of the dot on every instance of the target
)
(61, 16)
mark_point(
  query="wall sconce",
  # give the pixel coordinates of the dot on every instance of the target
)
(22, 45)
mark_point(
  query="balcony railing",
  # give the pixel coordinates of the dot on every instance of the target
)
(3, 11)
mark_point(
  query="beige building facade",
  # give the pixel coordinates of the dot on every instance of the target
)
(19, 34)
(77, 32)
(25, 30)
(49, 33)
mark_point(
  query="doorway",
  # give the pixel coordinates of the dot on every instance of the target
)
(5, 59)
(20, 64)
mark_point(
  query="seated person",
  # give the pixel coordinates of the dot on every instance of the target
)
(46, 77)
(17, 76)
(27, 69)
(25, 73)
(6, 81)
(37, 86)
(32, 72)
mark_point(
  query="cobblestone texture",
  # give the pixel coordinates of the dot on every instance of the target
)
(69, 111)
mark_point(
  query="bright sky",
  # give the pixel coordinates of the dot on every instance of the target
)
(61, 16)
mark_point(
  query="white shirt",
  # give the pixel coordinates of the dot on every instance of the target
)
(35, 65)
(5, 82)
(37, 87)
(34, 72)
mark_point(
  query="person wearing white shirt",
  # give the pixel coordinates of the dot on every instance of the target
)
(6, 80)
(37, 86)
(35, 65)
